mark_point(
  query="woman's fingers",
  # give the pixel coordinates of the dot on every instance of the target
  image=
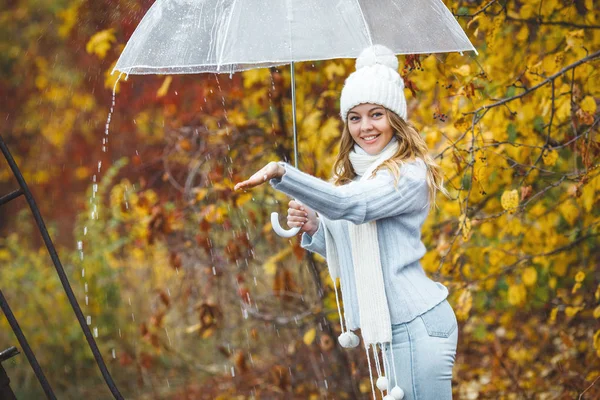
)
(297, 213)
(296, 205)
(258, 178)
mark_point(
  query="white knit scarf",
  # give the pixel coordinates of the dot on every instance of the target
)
(375, 322)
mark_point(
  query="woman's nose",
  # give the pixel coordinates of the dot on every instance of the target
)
(366, 125)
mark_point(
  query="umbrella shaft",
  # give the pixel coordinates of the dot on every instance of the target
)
(294, 115)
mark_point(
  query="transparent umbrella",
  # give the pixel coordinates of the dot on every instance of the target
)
(226, 36)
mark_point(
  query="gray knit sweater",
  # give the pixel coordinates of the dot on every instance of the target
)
(399, 211)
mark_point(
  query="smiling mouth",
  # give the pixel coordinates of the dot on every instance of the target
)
(370, 139)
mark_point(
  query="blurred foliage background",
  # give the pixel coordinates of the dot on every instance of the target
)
(187, 289)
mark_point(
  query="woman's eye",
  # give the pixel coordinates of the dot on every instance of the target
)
(354, 118)
(377, 114)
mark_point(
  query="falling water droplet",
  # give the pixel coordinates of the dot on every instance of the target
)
(89, 319)
(114, 354)
(96, 331)
(168, 337)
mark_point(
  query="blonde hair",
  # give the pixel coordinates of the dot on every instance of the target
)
(411, 145)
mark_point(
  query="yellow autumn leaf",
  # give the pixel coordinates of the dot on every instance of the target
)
(68, 19)
(574, 39)
(270, 266)
(101, 42)
(523, 34)
(463, 70)
(464, 304)
(4, 255)
(510, 200)
(309, 336)
(329, 130)
(569, 211)
(237, 118)
(529, 276)
(547, 7)
(572, 311)
(597, 342)
(580, 276)
(164, 88)
(334, 69)
(588, 104)
(550, 157)
(243, 199)
(517, 294)
(597, 312)
(364, 386)
(82, 173)
(201, 194)
(254, 76)
(193, 328)
(553, 315)
(465, 225)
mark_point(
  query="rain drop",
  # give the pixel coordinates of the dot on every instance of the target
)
(89, 319)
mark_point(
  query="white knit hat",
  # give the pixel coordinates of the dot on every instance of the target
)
(376, 80)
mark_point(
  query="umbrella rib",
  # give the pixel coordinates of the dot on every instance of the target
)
(220, 58)
(362, 14)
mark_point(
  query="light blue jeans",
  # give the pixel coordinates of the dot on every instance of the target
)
(424, 353)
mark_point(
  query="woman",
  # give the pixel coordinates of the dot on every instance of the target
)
(368, 226)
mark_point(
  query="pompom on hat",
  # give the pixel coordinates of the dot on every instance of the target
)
(376, 80)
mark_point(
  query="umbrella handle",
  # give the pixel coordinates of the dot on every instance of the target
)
(286, 233)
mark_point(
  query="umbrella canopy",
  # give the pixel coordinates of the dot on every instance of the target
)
(225, 36)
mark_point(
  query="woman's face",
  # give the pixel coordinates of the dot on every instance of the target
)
(369, 127)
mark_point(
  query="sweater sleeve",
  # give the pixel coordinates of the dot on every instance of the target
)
(316, 242)
(358, 201)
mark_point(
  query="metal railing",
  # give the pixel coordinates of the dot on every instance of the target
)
(24, 191)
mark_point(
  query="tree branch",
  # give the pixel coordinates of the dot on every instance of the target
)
(590, 57)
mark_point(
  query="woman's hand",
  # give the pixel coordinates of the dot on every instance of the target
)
(303, 217)
(269, 171)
